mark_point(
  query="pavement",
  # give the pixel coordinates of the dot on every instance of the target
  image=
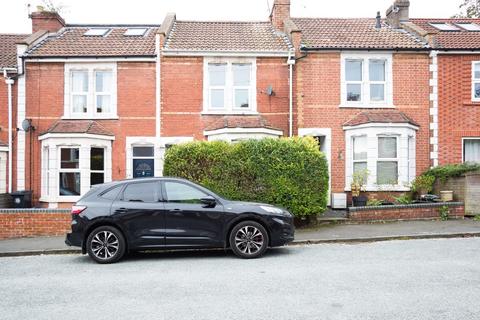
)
(437, 279)
(343, 233)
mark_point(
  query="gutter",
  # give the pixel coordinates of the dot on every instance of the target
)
(366, 49)
(9, 81)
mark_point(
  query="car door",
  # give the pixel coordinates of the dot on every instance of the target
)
(189, 222)
(141, 212)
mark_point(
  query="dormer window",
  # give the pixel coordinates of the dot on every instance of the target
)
(135, 32)
(96, 32)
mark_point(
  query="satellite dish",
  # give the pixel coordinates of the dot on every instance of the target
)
(27, 125)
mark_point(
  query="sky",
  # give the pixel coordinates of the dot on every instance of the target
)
(152, 12)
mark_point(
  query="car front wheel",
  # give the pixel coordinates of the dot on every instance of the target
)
(249, 240)
(106, 244)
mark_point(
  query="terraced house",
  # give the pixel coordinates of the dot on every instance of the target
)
(393, 95)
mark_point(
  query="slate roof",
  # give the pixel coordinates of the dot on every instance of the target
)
(225, 36)
(8, 49)
(255, 121)
(78, 126)
(461, 39)
(354, 33)
(382, 116)
(71, 42)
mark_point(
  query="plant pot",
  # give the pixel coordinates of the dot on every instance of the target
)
(446, 196)
(360, 201)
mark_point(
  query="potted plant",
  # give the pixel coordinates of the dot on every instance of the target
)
(359, 180)
(423, 185)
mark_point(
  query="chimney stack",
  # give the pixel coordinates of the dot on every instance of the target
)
(378, 21)
(398, 13)
(46, 20)
(280, 13)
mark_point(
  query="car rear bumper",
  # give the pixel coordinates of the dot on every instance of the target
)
(73, 240)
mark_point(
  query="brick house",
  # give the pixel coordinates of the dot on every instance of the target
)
(455, 87)
(105, 101)
(362, 89)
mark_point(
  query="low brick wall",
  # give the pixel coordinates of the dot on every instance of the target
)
(406, 212)
(18, 223)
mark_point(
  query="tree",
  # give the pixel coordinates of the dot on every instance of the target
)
(469, 9)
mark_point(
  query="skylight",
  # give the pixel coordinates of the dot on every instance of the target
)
(444, 26)
(135, 32)
(99, 32)
(469, 26)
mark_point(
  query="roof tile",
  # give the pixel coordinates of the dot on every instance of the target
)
(461, 39)
(79, 126)
(382, 116)
(8, 49)
(73, 42)
(225, 36)
(358, 33)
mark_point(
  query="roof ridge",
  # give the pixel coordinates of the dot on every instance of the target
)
(223, 21)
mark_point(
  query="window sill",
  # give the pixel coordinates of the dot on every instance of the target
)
(471, 103)
(366, 106)
(58, 199)
(227, 113)
(103, 117)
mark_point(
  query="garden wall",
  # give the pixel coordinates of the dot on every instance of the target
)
(18, 223)
(465, 189)
(406, 212)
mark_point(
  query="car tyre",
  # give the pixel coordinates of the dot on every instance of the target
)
(106, 244)
(249, 240)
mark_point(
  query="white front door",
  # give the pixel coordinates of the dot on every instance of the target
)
(3, 172)
(324, 139)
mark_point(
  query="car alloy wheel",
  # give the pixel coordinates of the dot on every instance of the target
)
(249, 239)
(106, 244)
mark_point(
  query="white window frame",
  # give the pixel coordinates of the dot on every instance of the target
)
(406, 154)
(104, 163)
(366, 101)
(463, 146)
(91, 113)
(68, 170)
(51, 163)
(475, 81)
(229, 88)
(391, 159)
(353, 151)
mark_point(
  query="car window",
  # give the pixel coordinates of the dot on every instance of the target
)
(182, 193)
(112, 193)
(141, 192)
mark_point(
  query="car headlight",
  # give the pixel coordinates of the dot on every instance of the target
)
(272, 209)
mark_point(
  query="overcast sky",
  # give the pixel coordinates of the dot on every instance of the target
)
(15, 20)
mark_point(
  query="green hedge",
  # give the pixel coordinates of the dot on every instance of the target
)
(451, 170)
(291, 173)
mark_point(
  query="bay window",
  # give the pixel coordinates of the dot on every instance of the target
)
(72, 164)
(471, 150)
(386, 152)
(366, 80)
(90, 91)
(229, 86)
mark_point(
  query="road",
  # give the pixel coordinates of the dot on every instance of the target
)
(417, 279)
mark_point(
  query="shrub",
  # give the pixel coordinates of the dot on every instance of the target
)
(405, 199)
(452, 170)
(423, 184)
(444, 212)
(291, 173)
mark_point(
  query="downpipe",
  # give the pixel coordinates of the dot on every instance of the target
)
(9, 81)
(291, 63)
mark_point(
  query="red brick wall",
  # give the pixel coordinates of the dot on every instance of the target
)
(318, 99)
(4, 120)
(45, 106)
(414, 212)
(182, 95)
(24, 223)
(458, 116)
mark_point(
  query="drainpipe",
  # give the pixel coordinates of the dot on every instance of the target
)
(291, 63)
(9, 81)
(158, 87)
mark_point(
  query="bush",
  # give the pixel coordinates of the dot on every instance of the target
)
(291, 173)
(452, 170)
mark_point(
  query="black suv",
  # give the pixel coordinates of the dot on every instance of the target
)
(169, 213)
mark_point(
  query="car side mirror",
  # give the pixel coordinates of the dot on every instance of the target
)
(209, 201)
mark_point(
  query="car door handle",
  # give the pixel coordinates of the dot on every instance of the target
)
(175, 210)
(121, 210)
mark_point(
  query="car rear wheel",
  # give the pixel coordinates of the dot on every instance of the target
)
(249, 240)
(106, 244)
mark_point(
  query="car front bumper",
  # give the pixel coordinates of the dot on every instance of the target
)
(282, 231)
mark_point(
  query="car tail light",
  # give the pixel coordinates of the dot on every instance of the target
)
(78, 209)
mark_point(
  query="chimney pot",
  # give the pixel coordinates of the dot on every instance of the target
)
(378, 21)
